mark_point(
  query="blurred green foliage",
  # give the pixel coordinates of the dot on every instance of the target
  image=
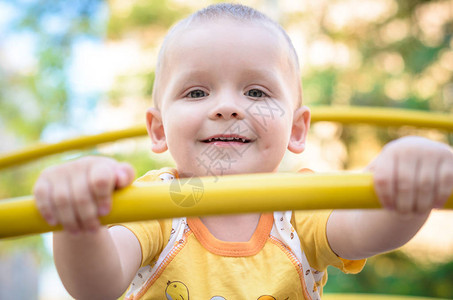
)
(142, 15)
(395, 274)
(45, 89)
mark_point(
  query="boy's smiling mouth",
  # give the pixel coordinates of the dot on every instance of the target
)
(227, 139)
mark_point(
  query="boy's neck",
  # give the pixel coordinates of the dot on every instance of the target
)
(232, 228)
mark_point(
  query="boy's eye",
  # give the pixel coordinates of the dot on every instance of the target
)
(197, 94)
(255, 93)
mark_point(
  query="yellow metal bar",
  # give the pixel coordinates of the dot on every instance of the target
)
(209, 195)
(346, 115)
(371, 297)
(383, 117)
(42, 150)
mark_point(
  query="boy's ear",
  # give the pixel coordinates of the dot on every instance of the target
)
(299, 130)
(156, 131)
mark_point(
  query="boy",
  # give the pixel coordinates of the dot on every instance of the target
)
(216, 70)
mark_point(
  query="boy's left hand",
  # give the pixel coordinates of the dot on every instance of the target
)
(413, 175)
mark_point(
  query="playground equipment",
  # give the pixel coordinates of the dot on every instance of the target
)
(237, 193)
(251, 193)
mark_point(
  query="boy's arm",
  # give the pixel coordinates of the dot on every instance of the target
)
(411, 177)
(357, 234)
(98, 265)
(93, 262)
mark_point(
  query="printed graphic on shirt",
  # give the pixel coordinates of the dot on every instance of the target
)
(176, 290)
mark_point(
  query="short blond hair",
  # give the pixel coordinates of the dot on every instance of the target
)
(237, 12)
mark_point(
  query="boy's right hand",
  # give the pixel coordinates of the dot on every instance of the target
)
(76, 193)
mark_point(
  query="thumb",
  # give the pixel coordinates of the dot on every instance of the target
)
(124, 174)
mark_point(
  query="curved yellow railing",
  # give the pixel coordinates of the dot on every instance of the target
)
(383, 117)
(41, 150)
(209, 195)
(345, 115)
(371, 297)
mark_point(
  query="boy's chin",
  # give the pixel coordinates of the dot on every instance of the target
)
(232, 169)
(238, 171)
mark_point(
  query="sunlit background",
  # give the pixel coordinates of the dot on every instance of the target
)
(71, 68)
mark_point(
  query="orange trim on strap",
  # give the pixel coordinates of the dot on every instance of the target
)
(295, 262)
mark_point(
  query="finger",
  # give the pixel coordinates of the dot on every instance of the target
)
(101, 181)
(371, 166)
(405, 184)
(64, 209)
(84, 204)
(426, 179)
(445, 183)
(125, 175)
(384, 175)
(42, 193)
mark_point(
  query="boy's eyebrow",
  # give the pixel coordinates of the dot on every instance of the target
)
(191, 74)
(185, 78)
(260, 73)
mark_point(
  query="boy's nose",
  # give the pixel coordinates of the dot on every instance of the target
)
(233, 115)
(227, 110)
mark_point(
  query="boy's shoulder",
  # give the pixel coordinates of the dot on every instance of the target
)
(163, 174)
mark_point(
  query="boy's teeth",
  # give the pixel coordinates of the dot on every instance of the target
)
(227, 139)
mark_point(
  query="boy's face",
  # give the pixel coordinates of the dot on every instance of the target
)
(228, 101)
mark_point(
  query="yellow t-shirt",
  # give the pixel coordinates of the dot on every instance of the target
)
(286, 258)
